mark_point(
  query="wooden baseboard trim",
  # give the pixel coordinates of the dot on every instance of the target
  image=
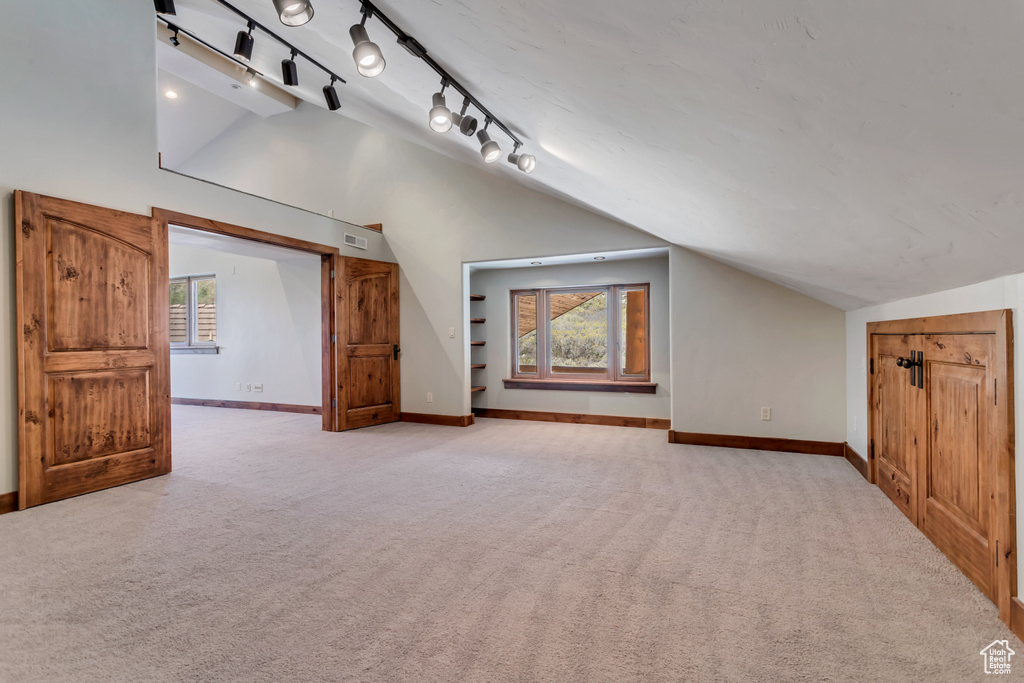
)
(758, 443)
(860, 463)
(8, 502)
(443, 420)
(1017, 617)
(248, 405)
(574, 418)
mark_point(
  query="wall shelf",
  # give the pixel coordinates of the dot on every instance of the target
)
(477, 343)
(478, 366)
(476, 389)
(477, 297)
(478, 320)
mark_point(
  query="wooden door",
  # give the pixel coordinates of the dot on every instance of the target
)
(896, 472)
(956, 486)
(367, 312)
(942, 438)
(93, 353)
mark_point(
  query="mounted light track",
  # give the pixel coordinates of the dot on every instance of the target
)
(294, 12)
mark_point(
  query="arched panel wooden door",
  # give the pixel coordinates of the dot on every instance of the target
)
(93, 361)
(367, 319)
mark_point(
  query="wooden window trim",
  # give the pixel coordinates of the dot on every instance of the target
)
(612, 379)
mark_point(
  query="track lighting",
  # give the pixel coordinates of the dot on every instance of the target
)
(368, 57)
(294, 12)
(525, 162)
(290, 72)
(253, 81)
(331, 95)
(164, 6)
(489, 149)
(466, 124)
(440, 115)
(244, 43)
(174, 39)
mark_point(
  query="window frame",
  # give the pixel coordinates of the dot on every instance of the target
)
(544, 378)
(192, 312)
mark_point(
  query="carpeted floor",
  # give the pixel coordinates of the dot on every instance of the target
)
(507, 551)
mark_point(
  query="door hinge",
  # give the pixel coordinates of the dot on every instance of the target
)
(871, 450)
(332, 274)
(334, 403)
(995, 390)
(871, 362)
(334, 339)
(997, 552)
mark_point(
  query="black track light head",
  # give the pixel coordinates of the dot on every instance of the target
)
(164, 6)
(289, 71)
(243, 44)
(294, 12)
(331, 95)
(174, 39)
(466, 124)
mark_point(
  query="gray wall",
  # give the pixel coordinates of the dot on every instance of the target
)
(496, 285)
(268, 329)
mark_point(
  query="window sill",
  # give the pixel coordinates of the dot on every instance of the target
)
(582, 385)
(193, 350)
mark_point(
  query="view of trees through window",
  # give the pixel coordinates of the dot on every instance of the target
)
(579, 337)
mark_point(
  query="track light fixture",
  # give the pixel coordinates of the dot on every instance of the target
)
(174, 39)
(243, 44)
(164, 6)
(440, 115)
(294, 12)
(525, 162)
(466, 124)
(489, 149)
(331, 95)
(253, 81)
(368, 57)
(290, 72)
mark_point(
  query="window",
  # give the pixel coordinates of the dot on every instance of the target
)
(193, 322)
(582, 337)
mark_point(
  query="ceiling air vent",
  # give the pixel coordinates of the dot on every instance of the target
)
(357, 242)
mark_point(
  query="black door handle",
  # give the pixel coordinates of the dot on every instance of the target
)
(396, 351)
(915, 361)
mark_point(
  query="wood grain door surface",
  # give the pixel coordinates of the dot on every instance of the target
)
(934, 443)
(93, 349)
(369, 390)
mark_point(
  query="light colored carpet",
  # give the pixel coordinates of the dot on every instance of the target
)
(507, 551)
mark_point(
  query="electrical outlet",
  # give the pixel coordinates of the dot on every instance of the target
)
(248, 387)
(257, 387)
(451, 332)
(766, 414)
(430, 397)
(238, 386)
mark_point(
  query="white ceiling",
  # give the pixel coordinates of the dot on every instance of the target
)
(856, 151)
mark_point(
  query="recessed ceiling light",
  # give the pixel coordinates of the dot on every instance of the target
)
(535, 263)
(599, 258)
(170, 94)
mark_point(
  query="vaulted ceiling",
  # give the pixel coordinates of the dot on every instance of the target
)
(858, 152)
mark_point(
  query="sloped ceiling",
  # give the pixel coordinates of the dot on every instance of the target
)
(858, 152)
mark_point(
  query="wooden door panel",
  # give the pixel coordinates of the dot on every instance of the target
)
(93, 357)
(85, 298)
(895, 472)
(369, 384)
(957, 468)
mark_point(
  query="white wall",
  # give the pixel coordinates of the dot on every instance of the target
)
(437, 213)
(268, 329)
(740, 343)
(497, 283)
(1000, 293)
